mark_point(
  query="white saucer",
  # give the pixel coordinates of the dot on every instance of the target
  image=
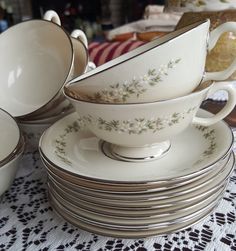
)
(192, 186)
(139, 222)
(119, 232)
(194, 196)
(73, 149)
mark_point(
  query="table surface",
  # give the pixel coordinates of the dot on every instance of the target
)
(28, 222)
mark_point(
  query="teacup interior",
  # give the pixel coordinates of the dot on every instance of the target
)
(36, 58)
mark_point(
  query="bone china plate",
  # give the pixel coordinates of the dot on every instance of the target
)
(74, 150)
(193, 196)
(92, 226)
(147, 203)
(169, 193)
(139, 222)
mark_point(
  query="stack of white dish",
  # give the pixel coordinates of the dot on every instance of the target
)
(99, 193)
(138, 157)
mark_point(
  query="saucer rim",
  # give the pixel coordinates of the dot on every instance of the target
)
(154, 194)
(147, 182)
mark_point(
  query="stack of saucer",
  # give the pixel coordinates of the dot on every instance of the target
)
(92, 189)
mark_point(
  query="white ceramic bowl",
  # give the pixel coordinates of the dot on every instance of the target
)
(35, 68)
(10, 136)
(9, 169)
(165, 68)
(144, 130)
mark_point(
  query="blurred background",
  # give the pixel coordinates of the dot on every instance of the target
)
(93, 16)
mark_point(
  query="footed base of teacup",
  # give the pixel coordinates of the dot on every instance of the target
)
(136, 154)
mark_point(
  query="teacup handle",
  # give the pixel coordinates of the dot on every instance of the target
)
(51, 15)
(79, 34)
(229, 106)
(213, 38)
(90, 66)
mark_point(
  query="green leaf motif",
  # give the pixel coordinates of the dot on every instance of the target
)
(121, 92)
(139, 125)
(209, 135)
(60, 142)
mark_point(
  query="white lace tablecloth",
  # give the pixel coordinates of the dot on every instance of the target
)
(27, 222)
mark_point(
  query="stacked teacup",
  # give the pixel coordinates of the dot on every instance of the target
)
(35, 69)
(139, 157)
(140, 100)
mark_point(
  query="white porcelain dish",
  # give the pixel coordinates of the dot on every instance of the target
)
(139, 222)
(121, 233)
(36, 67)
(9, 137)
(190, 197)
(76, 151)
(9, 169)
(144, 132)
(173, 205)
(69, 188)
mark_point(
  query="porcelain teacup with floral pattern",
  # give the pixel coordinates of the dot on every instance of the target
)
(143, 131)
(165, 68)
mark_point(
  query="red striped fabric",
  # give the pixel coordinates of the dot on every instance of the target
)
(101, 53)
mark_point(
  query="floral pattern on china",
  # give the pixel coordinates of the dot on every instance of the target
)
(138, 125)
(60, 143)
(121, 92)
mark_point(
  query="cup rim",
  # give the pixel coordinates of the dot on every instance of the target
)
(69, 68)
(208, 84)
(18, 144)
(138, 51)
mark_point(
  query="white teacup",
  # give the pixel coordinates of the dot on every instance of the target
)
(35, 67)
(79, 43)
(143, 131)
(165, 68)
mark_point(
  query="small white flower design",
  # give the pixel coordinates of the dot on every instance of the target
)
(138, 125)
(119, 93)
